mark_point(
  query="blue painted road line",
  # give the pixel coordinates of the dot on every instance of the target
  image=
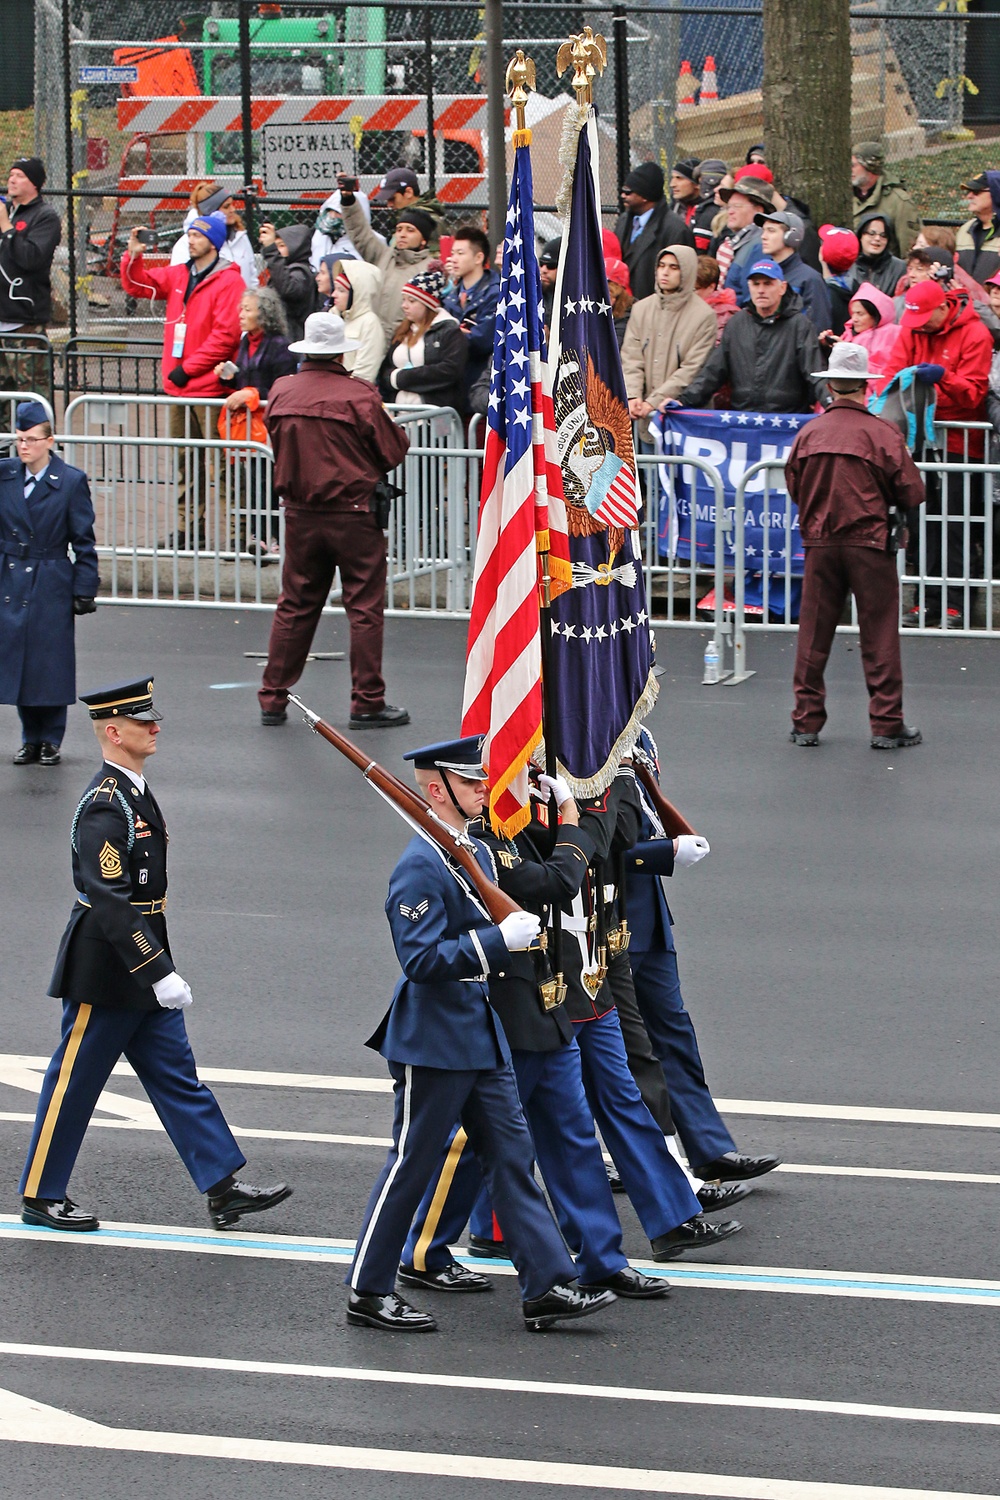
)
(802, 1281)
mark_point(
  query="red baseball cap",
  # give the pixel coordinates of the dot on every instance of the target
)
(921, 301)
(755, 169)
(617, 271)
(838, 247)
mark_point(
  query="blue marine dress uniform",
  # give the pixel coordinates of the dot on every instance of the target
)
(546, 1062)
(114, 949)
(39, 585)
(450, 1060)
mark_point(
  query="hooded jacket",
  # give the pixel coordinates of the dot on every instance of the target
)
(880, 340)
(397, 266)
(669, 336)
(977, 248)
(891, 201)
(209, 310)
(26, 252)
(292, 277)
(965, 348)
(435, 374)
(767, 363)
(882, 270)
(363, 322)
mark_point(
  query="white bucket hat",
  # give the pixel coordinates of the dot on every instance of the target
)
(847, 362)
(324, 335)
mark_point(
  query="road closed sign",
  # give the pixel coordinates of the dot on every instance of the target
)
(306, 156)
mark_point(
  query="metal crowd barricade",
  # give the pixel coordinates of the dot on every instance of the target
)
(432, 527)
(652, 464)
(9, 402)
(123, 366)
(951, 559)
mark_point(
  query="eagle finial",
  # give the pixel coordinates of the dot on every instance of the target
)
(587, 54)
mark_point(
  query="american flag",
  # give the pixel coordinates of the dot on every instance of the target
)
(522, 519)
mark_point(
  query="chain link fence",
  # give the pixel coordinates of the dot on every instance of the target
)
(137, 100)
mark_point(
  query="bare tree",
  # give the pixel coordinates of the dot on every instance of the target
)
(807, 103)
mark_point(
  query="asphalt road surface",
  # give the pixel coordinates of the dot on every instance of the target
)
(838, 952)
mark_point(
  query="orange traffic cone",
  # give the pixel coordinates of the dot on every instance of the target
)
(709, 82)
(686, 85)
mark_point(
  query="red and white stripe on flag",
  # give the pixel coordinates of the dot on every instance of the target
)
(503, 675)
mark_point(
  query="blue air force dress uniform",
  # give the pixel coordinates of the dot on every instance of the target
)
(449, 1061)
(41, 589)
(113, 951)
(546, 1062)
(704, 1134)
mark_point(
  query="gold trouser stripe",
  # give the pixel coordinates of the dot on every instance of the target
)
(439, 1200)
(55, 1103)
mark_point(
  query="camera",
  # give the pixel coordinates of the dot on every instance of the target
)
(146, 237)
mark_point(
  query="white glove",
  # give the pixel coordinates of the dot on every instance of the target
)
(557, 787)
(519, 930)
(690, 848)
(172, 992)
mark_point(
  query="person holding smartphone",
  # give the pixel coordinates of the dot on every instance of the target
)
(200, 330)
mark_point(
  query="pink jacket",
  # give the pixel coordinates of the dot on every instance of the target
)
(880, 340)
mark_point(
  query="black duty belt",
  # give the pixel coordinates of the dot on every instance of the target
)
(148, 908)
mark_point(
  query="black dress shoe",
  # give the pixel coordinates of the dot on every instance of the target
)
(899, 741)
(488, 1249)
(614, 1180)
(735, 1167)
(804, 737)
(386, 718)
(564, 1300)
(696, 1234)
(271, 721)
(629, 1282)
(244, 1198)
(451, 1278)
(58, 1213)
(715, 1196)
(388, 1311)
(49, 754)
(28, 755)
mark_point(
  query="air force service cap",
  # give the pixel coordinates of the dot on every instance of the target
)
(125, 700)
(464, 757)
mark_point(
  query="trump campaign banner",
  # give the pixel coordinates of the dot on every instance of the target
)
(732, 442)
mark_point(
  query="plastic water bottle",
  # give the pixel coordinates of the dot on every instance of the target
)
(711, 664)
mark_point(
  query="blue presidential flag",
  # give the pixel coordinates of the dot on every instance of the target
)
(602, 681)
(731, 441)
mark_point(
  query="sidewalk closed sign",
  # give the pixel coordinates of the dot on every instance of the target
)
(306, 156)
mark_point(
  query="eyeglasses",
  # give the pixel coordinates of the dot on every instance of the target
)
(22, 437)
(874, 234)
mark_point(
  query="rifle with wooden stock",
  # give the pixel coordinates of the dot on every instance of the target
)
(416, 811)
(674, 823)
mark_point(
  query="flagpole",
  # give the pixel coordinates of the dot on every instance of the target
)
(520, 77)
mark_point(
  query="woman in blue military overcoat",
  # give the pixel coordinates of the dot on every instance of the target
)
(45, 509)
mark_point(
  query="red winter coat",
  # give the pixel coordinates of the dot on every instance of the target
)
(964, 347)
(212, 317)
